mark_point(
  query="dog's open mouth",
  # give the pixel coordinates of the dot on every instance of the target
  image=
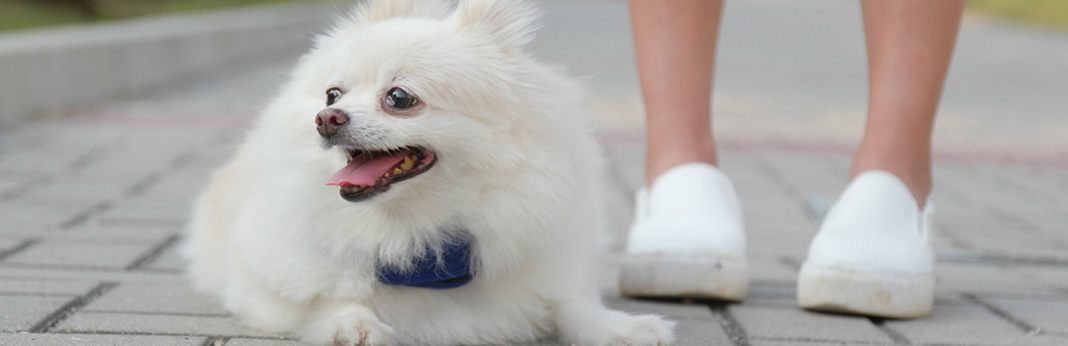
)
(370, 173)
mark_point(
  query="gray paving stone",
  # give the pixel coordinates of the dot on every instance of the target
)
(135, 223)
(967, 324)
(32, 220)
(151, 298)
(753, 184)
(97, 340)
(263, 342)
(1049, 316)
(20, 313)
(6, 185)
(93, 233)
(23, 286)
(51, 163)
(90, 322)
(87, 256)
(1022, 245)
(169, 261)
(171, 209)
(1051, 276)
(764, 342)
(771, 295)
(674, 311)
(1044, 340)
(79, 187)
(700, 333)
(768, 322)
(766, 269)
(6, 244)
(69, 202)
(977, 277)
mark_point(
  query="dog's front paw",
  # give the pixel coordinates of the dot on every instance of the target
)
(349, 326)
(643, 330)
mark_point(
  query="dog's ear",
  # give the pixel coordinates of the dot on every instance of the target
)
(509, 23)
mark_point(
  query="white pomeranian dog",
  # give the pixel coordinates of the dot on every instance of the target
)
(469, 186)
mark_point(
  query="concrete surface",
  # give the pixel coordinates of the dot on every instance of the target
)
(91, 204)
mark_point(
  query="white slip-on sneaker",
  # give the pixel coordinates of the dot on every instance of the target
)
(687, 239)
(872, 255)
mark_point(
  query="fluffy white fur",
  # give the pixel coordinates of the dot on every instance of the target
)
(518, 169)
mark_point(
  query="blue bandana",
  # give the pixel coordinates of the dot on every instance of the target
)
(453, 271)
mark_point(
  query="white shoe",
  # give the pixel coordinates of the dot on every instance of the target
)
(687, 238)
(872, 255)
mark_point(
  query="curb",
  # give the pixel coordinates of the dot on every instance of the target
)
(47, 70)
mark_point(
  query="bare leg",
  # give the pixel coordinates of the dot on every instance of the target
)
(910, 43)
(676, 48)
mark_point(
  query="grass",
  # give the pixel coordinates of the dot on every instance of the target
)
(19, 14)
(26, 14)
(1049, 13)
(23, 14)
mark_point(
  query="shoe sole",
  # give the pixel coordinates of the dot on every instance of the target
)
(684, 276)
(878, 294)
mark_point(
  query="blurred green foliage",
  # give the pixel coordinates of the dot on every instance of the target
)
(1052, 13)
(21, 14)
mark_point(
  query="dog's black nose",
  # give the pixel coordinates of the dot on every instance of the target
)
(329, 120)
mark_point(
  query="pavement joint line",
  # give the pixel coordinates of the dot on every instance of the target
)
(85, 159)
(775, 176)
(110, 332)
(82, 239)
(18, 191)
(31, 278)
(36, 294)
(734, 330)
(143, 184)
(216, 341)
(183, 159)
(85, 215)
(817, 206)
(898, 338)
(988, 258)
(1005, 315)
(951, 233)
(71, 307)
(147, 222)
(818, 340)
(153, 254)
(153, 313)
(63, 267)
(25, 244)
(791, 262)
(1023, 296)
(139, 187)
(772, 283)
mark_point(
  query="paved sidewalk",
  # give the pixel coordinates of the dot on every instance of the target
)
(91, 205)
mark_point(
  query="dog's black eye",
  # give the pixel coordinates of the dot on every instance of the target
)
(400, 99)
(332, 95)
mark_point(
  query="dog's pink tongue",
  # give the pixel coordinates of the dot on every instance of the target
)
(365, 171)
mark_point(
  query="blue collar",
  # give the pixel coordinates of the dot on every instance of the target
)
(453, 271)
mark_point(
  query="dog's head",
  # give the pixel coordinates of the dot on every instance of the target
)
(412, 89)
